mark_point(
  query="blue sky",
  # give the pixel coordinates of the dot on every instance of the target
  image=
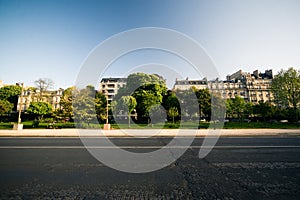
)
(53, 38)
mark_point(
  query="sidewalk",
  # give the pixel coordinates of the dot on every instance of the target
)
(147, 132)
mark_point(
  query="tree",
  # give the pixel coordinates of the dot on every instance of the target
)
(145, 100)
(204, 102)
(173, 112)
(218, 107)
(43, 84)
(188, 103)
(236, 107)
(5, 107)
(286, 89)
(157, 113)
(170, 100)
(229, 108)
(66, 102)
(263, 109)
(100, 105)
(11, 93)
(84, 105)
(127, 104)
(148, 90)
(248, 111)
(39, 109)
(142, 81)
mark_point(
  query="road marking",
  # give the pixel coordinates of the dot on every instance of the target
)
(155, 137)
(142, 147)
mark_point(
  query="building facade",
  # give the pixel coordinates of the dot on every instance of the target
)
(253, 87)
(30, 95)
(187, 84)
(110, 86)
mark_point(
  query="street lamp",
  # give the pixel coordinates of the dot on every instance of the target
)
(106, 125)
(19, 126)
(106, 93)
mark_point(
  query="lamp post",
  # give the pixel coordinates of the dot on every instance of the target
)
(106, 125)
(19, 126)
(106, 93)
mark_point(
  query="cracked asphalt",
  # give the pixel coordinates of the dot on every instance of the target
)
(237, 168)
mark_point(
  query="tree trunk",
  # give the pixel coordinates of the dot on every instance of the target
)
(296, 114)
(128, 120)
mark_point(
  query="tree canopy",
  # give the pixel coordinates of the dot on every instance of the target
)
(66, 103)
(11, 93)
(88, 105)
(5, 107)
(204, 102)
(100, 105)
(286, 89)
(39, 109)
(173, 112)
(235, 107)
(148, 90)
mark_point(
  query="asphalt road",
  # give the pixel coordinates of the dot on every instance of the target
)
(237, 168)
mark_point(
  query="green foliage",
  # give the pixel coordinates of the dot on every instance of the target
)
(157, 114)
(173, 112)
(194, 102)
(204, 102)
(148, 90)
(100, 105)
(39, 109)
(35, 123)
(218, 107)
(286, 89)
(126, 104)
(142, 81)
(145, 100)
(248, 111)
(11, 93)
(236, 107)
(263, 109)
(188, 103)
(5, 107)
(88, 105)
(170, 100)
(84, 106)
(66, 102)
(258, 125)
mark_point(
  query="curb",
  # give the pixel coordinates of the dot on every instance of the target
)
(150, 133)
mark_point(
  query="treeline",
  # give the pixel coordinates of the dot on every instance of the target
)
(146, 99)
(239, 110)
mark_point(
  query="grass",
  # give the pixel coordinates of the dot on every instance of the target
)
(252, 125)
(167, 125)
(42, 125)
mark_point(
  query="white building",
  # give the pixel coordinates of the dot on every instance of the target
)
(30, 95)
(110, 86)
(253, 87)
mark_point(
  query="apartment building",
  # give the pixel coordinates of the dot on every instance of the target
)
(187, 84)
(253, 87)
(110, 86)
(31, 95)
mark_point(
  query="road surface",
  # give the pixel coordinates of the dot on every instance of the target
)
(237, 168)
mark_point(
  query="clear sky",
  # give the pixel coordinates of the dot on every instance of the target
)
(52, 39)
